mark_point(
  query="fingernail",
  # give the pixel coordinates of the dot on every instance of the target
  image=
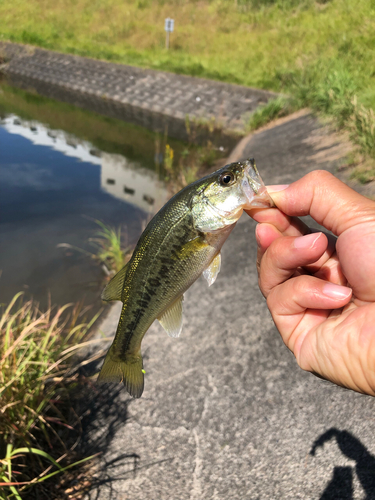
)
(307, 241)
(336, 291)
(276, 188)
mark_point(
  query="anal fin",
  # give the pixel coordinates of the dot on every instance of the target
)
(171, 319)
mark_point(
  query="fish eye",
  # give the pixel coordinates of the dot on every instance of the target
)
(226, 179)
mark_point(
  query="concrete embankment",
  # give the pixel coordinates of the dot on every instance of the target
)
(152, 99)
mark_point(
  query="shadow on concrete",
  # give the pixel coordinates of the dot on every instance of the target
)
(103, 409)
(341, 485)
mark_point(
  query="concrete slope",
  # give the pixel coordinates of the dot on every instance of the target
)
(153, 99)
(226, 412)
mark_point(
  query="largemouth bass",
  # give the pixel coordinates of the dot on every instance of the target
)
(182, 241)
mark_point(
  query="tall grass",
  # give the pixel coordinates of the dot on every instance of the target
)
(109, 249)
(362, 131)
(37, 421)
(328, 88)
(275, 108)
(362, 127)
(331, 91)
(249, 42)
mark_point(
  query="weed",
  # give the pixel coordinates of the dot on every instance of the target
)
(168, 161)
(362, 128)
(35, 377)
(275, 108)
(325, 89)
(363, 174)
(110, 253)
(192, 159)
(109, 250)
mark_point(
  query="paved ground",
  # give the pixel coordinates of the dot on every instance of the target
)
(153, 99)
(226, 412)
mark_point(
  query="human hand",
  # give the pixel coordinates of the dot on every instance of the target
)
(321, 289)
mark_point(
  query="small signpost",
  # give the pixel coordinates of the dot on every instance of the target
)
(169, 27)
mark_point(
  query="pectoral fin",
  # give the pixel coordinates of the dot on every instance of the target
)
(213, 270)
(171, 319)
(114, 288)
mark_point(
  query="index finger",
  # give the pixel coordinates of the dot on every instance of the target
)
(288, 226)
(329, 201)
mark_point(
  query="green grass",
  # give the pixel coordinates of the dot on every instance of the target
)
(35, 378)
(248, 42)
(275, 108)
(109, 249)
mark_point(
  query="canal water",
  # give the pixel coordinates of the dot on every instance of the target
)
(60, 170)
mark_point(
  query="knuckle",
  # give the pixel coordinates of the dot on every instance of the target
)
(284, 297)
(278, 253)
(319, 176)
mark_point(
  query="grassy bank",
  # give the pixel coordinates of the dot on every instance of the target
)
(41, 388)
(39, 428)
(251, 42)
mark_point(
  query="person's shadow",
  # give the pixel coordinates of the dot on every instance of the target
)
(341, 485)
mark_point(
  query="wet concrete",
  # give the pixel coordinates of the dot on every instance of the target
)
(226, 412)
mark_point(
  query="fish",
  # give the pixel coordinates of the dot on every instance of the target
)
(180, 243)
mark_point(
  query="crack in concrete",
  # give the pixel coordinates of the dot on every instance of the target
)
(196, 491)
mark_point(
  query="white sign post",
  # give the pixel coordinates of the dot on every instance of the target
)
(168, 27)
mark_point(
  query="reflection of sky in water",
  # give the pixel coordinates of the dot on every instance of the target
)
(47, 198)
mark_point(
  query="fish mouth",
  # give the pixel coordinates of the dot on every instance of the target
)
(254, 189)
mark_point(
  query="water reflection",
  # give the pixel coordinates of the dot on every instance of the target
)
(136, 185)
(52, 186)
(121, 178)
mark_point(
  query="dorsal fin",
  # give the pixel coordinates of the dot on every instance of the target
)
(171, 319)
(114, 288)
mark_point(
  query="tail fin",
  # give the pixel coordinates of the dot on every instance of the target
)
(128, 371)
